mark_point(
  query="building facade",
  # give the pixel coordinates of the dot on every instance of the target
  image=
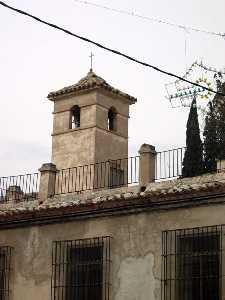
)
(152, 240)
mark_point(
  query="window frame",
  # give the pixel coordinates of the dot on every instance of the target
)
(197, 261)
(6, 253)
(65, 285)
(112, 119)
(75, 113)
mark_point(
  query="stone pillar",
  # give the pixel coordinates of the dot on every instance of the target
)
(147, 164)
(47, 181)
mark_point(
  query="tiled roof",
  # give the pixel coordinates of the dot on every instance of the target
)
(90, 81)
(92, 202)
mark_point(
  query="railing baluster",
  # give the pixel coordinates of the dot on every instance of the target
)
(75, 187)
(19, 188)
(173, 162)
(100, 175)
(169, 163)
(106, 174)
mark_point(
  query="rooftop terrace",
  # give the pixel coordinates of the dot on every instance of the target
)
(158, 170)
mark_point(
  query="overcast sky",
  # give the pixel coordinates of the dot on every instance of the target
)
(36, 59)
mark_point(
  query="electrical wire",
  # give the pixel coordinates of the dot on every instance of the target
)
(107, 48)
(132, 14)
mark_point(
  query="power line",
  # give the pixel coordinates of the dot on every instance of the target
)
(151, 19)
(107, 48)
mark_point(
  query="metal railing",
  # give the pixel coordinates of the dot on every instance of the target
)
(19, 188)
(108, 174)
(103, 175)
(169, 163)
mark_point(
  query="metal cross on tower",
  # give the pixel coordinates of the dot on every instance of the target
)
(91, 57)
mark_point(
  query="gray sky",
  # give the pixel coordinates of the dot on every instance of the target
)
(36, 59)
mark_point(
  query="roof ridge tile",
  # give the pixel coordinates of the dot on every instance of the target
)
(91, 80)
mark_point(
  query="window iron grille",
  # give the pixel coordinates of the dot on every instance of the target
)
(81, 269)
(193, 264)
(5, 271)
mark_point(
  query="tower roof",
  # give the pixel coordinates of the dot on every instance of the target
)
(89, 82)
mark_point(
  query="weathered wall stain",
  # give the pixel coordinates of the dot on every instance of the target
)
(135, 250)
(136, 279)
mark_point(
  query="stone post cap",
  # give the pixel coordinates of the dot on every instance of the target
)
(48, 167)
(146, 148)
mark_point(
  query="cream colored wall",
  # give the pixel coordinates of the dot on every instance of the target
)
(88, 116)
(74, 148)
(122, 125)
(61, 121)
(92, 142)
(62, 114)
(102, 117)
(121, 105)
(67, 102)
(109, 145)
(135, 250)
(121, 121)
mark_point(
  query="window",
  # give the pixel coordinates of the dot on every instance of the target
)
(75, 117)
(192, 260)
(112, 119)
(5, 268)
(81, 269)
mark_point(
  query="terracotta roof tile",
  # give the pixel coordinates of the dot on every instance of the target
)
(90, 81)
(162, 191)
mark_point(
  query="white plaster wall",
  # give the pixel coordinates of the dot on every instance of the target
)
(136, 278)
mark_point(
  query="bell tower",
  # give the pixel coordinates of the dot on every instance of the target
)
(90, 123)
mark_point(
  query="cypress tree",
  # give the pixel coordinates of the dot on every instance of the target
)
(210, 141)
(219, 108)
(193, 158)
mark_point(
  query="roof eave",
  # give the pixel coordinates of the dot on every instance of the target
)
(53, 96)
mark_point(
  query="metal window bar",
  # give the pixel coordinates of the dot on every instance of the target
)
(193, 264)
(108, 174)
(81, 269)
(5, 272)
(19, 188)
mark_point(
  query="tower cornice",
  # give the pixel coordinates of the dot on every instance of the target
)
(90, 82)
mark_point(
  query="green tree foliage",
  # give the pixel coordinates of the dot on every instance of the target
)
(210, 141)
(193, 158)
(214, 131)
(219, 112)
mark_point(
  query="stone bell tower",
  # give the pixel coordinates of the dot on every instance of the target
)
(90, 123)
